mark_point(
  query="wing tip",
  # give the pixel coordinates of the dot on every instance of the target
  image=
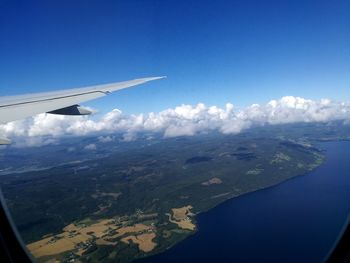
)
(155, 78)
(147, 79)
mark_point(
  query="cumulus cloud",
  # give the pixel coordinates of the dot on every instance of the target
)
(91, 147)
(184, 120)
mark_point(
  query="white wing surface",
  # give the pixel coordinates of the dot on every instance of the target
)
(63, 102)
(58, 102)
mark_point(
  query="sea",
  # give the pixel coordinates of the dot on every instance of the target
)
(298, 220)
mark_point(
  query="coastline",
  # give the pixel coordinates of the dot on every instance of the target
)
(198, 214)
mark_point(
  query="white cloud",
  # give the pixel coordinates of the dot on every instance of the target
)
(91, 147)
(105, 139)
(184, 120)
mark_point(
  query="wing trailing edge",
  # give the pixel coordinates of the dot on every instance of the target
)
(19, 107)
(64, 102)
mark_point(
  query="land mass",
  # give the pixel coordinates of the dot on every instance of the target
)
(142, 200)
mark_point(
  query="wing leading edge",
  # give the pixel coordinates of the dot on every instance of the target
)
(58, 102)
(19, 107)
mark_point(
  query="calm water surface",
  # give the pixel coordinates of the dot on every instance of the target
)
(296, 221)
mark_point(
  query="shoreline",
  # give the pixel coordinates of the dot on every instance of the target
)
(195, 220)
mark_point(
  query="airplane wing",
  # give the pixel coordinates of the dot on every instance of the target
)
(63, 102)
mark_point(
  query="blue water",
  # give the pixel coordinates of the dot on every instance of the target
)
(296, 221)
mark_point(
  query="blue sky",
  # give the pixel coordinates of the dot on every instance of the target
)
(213, 52)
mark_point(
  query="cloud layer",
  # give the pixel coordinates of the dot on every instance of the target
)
(184, 120)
